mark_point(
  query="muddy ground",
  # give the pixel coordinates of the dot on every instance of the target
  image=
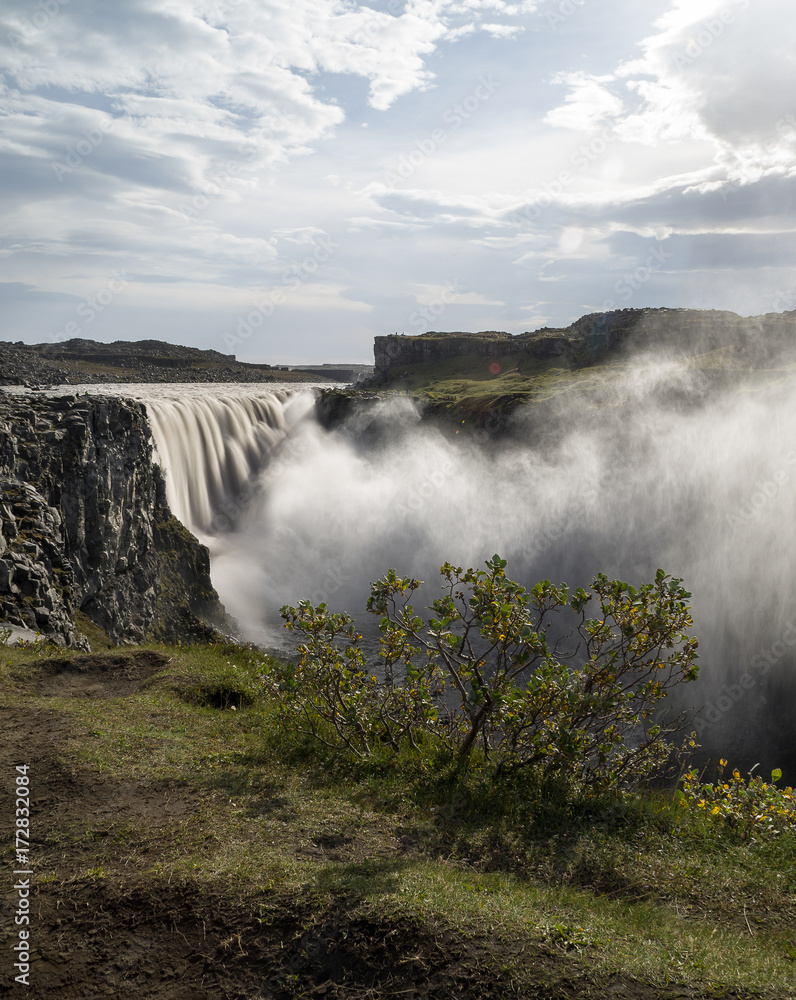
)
(126, 933)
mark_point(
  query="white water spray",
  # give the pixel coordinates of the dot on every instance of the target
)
(651, 473)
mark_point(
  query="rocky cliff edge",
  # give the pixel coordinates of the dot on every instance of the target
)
(85, 526)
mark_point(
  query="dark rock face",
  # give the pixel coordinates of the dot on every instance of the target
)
(398, 349)
(82, 507)
(333, 407)
(595, 335)
(36, 580)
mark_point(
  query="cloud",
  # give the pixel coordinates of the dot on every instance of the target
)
(503, 30)
(207, 145)
(157, 113)
(721, 72)
(588, 105)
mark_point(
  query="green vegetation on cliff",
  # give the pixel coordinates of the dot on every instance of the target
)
(188, 608)
(472, 386)
(484, 377)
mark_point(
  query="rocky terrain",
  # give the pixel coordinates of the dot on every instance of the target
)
(85, 526)
(83, 361)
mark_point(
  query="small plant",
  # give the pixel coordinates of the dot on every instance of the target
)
(41, 645)
(332, 695)
(754, 807)
(568, 938)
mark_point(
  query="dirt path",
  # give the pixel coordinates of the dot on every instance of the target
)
(123, 932)
(110, 936)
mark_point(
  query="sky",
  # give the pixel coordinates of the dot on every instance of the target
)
(283, 181)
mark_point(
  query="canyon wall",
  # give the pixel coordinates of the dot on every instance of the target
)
(593, 336)
(85, 527)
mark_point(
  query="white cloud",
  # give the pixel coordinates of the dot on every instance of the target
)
(503, 30)
(454, 34)
(589, 104)
(193, 88)
(448, 293)
(721, 72)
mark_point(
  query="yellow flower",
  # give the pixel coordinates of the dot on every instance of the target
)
(722, 762)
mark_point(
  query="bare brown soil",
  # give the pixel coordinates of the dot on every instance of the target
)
(105, 676)
(127, 933)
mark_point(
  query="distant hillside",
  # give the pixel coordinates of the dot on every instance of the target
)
(471, 375)
(135, 361)
(589, 338)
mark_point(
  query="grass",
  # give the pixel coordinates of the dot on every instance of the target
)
(640, 888)
(95, 635)
(473, 377)
(641, 938)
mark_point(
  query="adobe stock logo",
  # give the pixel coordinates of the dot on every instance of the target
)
(293, 278)
(765, 490)
(30, 27)
(92, 306)
(423, 317)
(707, 34)
(732, 694)
(564, 9)
(454, 116)
(631, 282)
(82, 149)
(553, 188)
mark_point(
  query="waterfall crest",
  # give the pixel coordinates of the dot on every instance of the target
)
(211, 449)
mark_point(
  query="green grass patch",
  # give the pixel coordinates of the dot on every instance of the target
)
(189, 780)
(97, 637)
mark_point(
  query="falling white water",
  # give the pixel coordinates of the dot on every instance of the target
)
(211, 450)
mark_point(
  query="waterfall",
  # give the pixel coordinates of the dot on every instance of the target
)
(212, 448)
(705, 489)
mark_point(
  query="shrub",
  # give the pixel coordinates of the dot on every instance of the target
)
(524, 675)
(754, 807)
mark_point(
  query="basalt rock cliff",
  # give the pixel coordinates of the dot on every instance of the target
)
(85, 527)
(592, 337)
